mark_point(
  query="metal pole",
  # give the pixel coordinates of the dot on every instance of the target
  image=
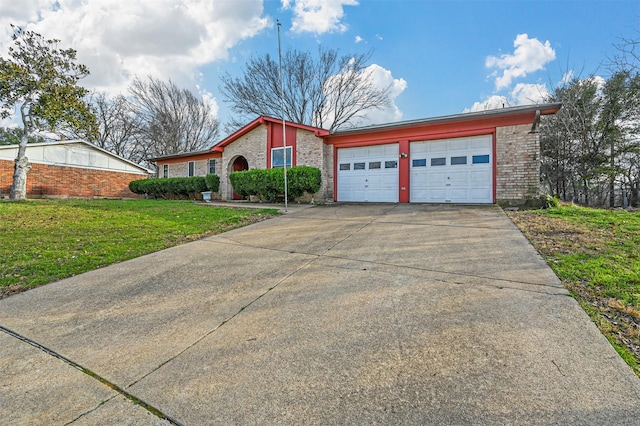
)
(284, 124)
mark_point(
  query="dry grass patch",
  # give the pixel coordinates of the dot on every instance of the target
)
(596, 255)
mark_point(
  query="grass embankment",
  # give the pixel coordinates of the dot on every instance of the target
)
(45, 240)
(596, 255)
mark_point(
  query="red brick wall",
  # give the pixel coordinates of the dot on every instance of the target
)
(60, 181)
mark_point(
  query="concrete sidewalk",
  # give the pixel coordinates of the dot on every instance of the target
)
(343, 314)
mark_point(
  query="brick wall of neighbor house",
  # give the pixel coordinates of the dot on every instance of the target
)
(60, 181)
(518, 164)
(253, 147)
(6, 177)
(310, 151)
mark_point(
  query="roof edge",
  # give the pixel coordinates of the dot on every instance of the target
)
(545, 109)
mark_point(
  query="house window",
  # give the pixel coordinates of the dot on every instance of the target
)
(422, 162)
(480, 159)
(358, 166)
(441, 161)
(191, 168)
(165, 170)
(374, 165)
(456, 161)
(345, 166)
(390, 164)
(277, 157)
(212, 166)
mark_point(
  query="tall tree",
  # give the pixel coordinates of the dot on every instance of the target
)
(120, 129)
(172, 120)
(39, 79)
(329, 91)
(590, 147)
(573, 147)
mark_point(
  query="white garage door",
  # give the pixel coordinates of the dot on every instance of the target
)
(368, 173)
(456, 170)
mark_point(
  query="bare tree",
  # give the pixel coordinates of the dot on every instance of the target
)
(590, 147)
(627, 57)
(329, 91)
(171, 120)
(120, 129)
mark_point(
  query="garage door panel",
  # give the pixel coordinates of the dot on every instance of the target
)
(459, 178)
(456, 170)
(368, 174)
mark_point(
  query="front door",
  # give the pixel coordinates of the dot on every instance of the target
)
(240, 164)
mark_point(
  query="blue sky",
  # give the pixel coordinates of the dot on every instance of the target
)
(442, 57)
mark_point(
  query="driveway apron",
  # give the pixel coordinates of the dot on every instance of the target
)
(339, 314)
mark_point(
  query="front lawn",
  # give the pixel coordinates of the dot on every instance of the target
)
(596, 255)
(46, 240)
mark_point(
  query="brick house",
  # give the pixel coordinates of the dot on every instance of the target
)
(72, 168)
(480, 157)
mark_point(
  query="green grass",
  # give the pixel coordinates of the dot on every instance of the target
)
(610, 263)
(46, 240)
(596, 255)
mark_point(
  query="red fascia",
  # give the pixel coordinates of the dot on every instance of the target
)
(219, 147)
(429, 131)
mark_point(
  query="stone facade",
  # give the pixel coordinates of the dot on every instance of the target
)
(253, 147)
(517, 164)
(311, 151)
(181, 169)
(54, 181)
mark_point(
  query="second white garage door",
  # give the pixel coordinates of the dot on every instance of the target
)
(456, 170)
(368, 173)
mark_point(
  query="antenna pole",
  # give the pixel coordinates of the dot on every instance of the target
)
(284, 124)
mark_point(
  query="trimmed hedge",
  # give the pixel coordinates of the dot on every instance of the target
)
(269, 183)
(213, 182)
(166, 187)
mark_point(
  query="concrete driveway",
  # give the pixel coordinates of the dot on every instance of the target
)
(344, 314)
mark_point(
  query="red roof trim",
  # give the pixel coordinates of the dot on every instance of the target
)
(440, 127)
(219, 147)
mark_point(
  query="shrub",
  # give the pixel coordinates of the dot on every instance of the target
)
(213, 182)
(269, 183)
(169, 187)
(552, 201)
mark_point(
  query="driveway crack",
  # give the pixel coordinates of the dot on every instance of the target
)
(150, 408)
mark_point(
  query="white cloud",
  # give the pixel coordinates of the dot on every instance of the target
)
(358, 39)
(567, 77)
(525, 94)
(382, 78)
(318, 16)
(119, 39)
(530, 55)
(522, 94)
(492, 102)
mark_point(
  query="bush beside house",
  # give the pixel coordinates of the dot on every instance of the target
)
(187, 187)
(268, 184)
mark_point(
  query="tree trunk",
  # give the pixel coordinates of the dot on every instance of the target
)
(21, 168)
(635, 192)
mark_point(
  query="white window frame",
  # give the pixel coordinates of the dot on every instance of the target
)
(191, 168)
(212, 166)
(165, 170)
(289, 157)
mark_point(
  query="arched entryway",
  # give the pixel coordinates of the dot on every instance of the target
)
(239, 164)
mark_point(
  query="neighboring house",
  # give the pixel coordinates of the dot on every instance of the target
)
(480, 157)
(73, 168)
